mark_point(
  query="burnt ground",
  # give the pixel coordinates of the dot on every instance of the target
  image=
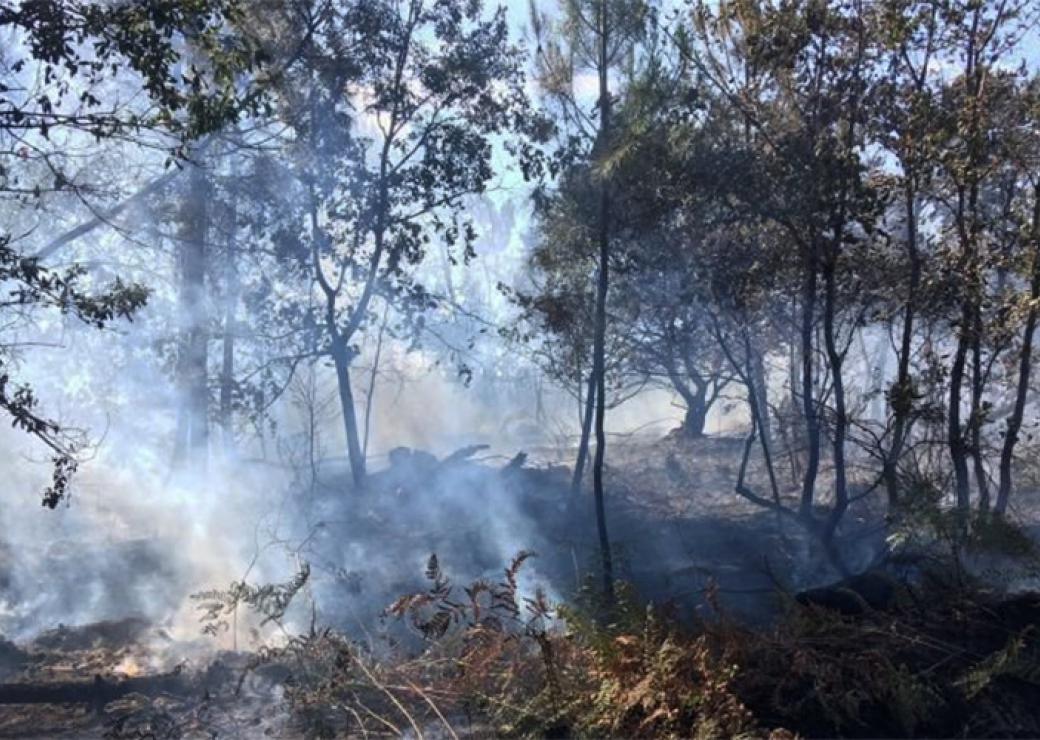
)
(127, 678)
(676, 526)
(678, 530)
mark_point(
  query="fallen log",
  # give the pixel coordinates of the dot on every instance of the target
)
(463, 454)
(98, 692)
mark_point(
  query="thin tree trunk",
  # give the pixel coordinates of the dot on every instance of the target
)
(340, 335)
(975, 423)
(312, 428)
(227, 376)
(758, 415)
(261, 433)
(791, 429)
(836, 361)
(1025, 365)
(758, 371)
(958, 449)
(599, 369)
(966, 222)
(341, 357)
(227, 369)
(586, 430)
(809, 412)
(901, 396)
(373, 376)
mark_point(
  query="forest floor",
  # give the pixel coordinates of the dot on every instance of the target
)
(726, 648)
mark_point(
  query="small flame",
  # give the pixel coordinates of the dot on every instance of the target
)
(129, 667)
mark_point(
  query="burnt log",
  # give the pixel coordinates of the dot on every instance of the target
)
(463, 454)
(870, 591)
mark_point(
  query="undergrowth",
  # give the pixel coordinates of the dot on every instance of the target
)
(489, 659)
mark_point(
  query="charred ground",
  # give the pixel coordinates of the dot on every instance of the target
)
(729, 620)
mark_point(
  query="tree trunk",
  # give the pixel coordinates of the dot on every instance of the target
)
(791, 421)
(696, 416)
(967, 224)
(758, 414)
(599, 366)
(227, 381)
(342, 358)
(1025, 365)
(599, 371)
(958, 448)
(901, 396)
(586, 429)
(695, 400)
(372, 378)
(192, 444)
(227, 369)
(975, 423)
(341, 334)
(836, 362)
(758, 373)
(227, 385)
(809, 413)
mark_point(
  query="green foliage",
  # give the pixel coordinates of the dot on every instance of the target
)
(79, 45)
(270, 601)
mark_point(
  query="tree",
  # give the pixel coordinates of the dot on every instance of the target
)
(902, 110)
(970, 129)
(64, 60)
(595, 37)
(801, 85)
(664, 267)
(670, 342)
(395, 108)
(192, 441)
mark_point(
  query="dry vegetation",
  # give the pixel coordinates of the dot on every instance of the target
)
(943, 659)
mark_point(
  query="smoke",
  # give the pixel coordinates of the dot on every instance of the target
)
(135, 539)
(138, 540)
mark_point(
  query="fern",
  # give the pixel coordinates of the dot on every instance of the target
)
(270, 601)
(435, 612)
(1014, 660)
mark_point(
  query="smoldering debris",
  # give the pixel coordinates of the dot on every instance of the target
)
(126, 678)
(674, 540)
(367, 546)
(104, 635)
